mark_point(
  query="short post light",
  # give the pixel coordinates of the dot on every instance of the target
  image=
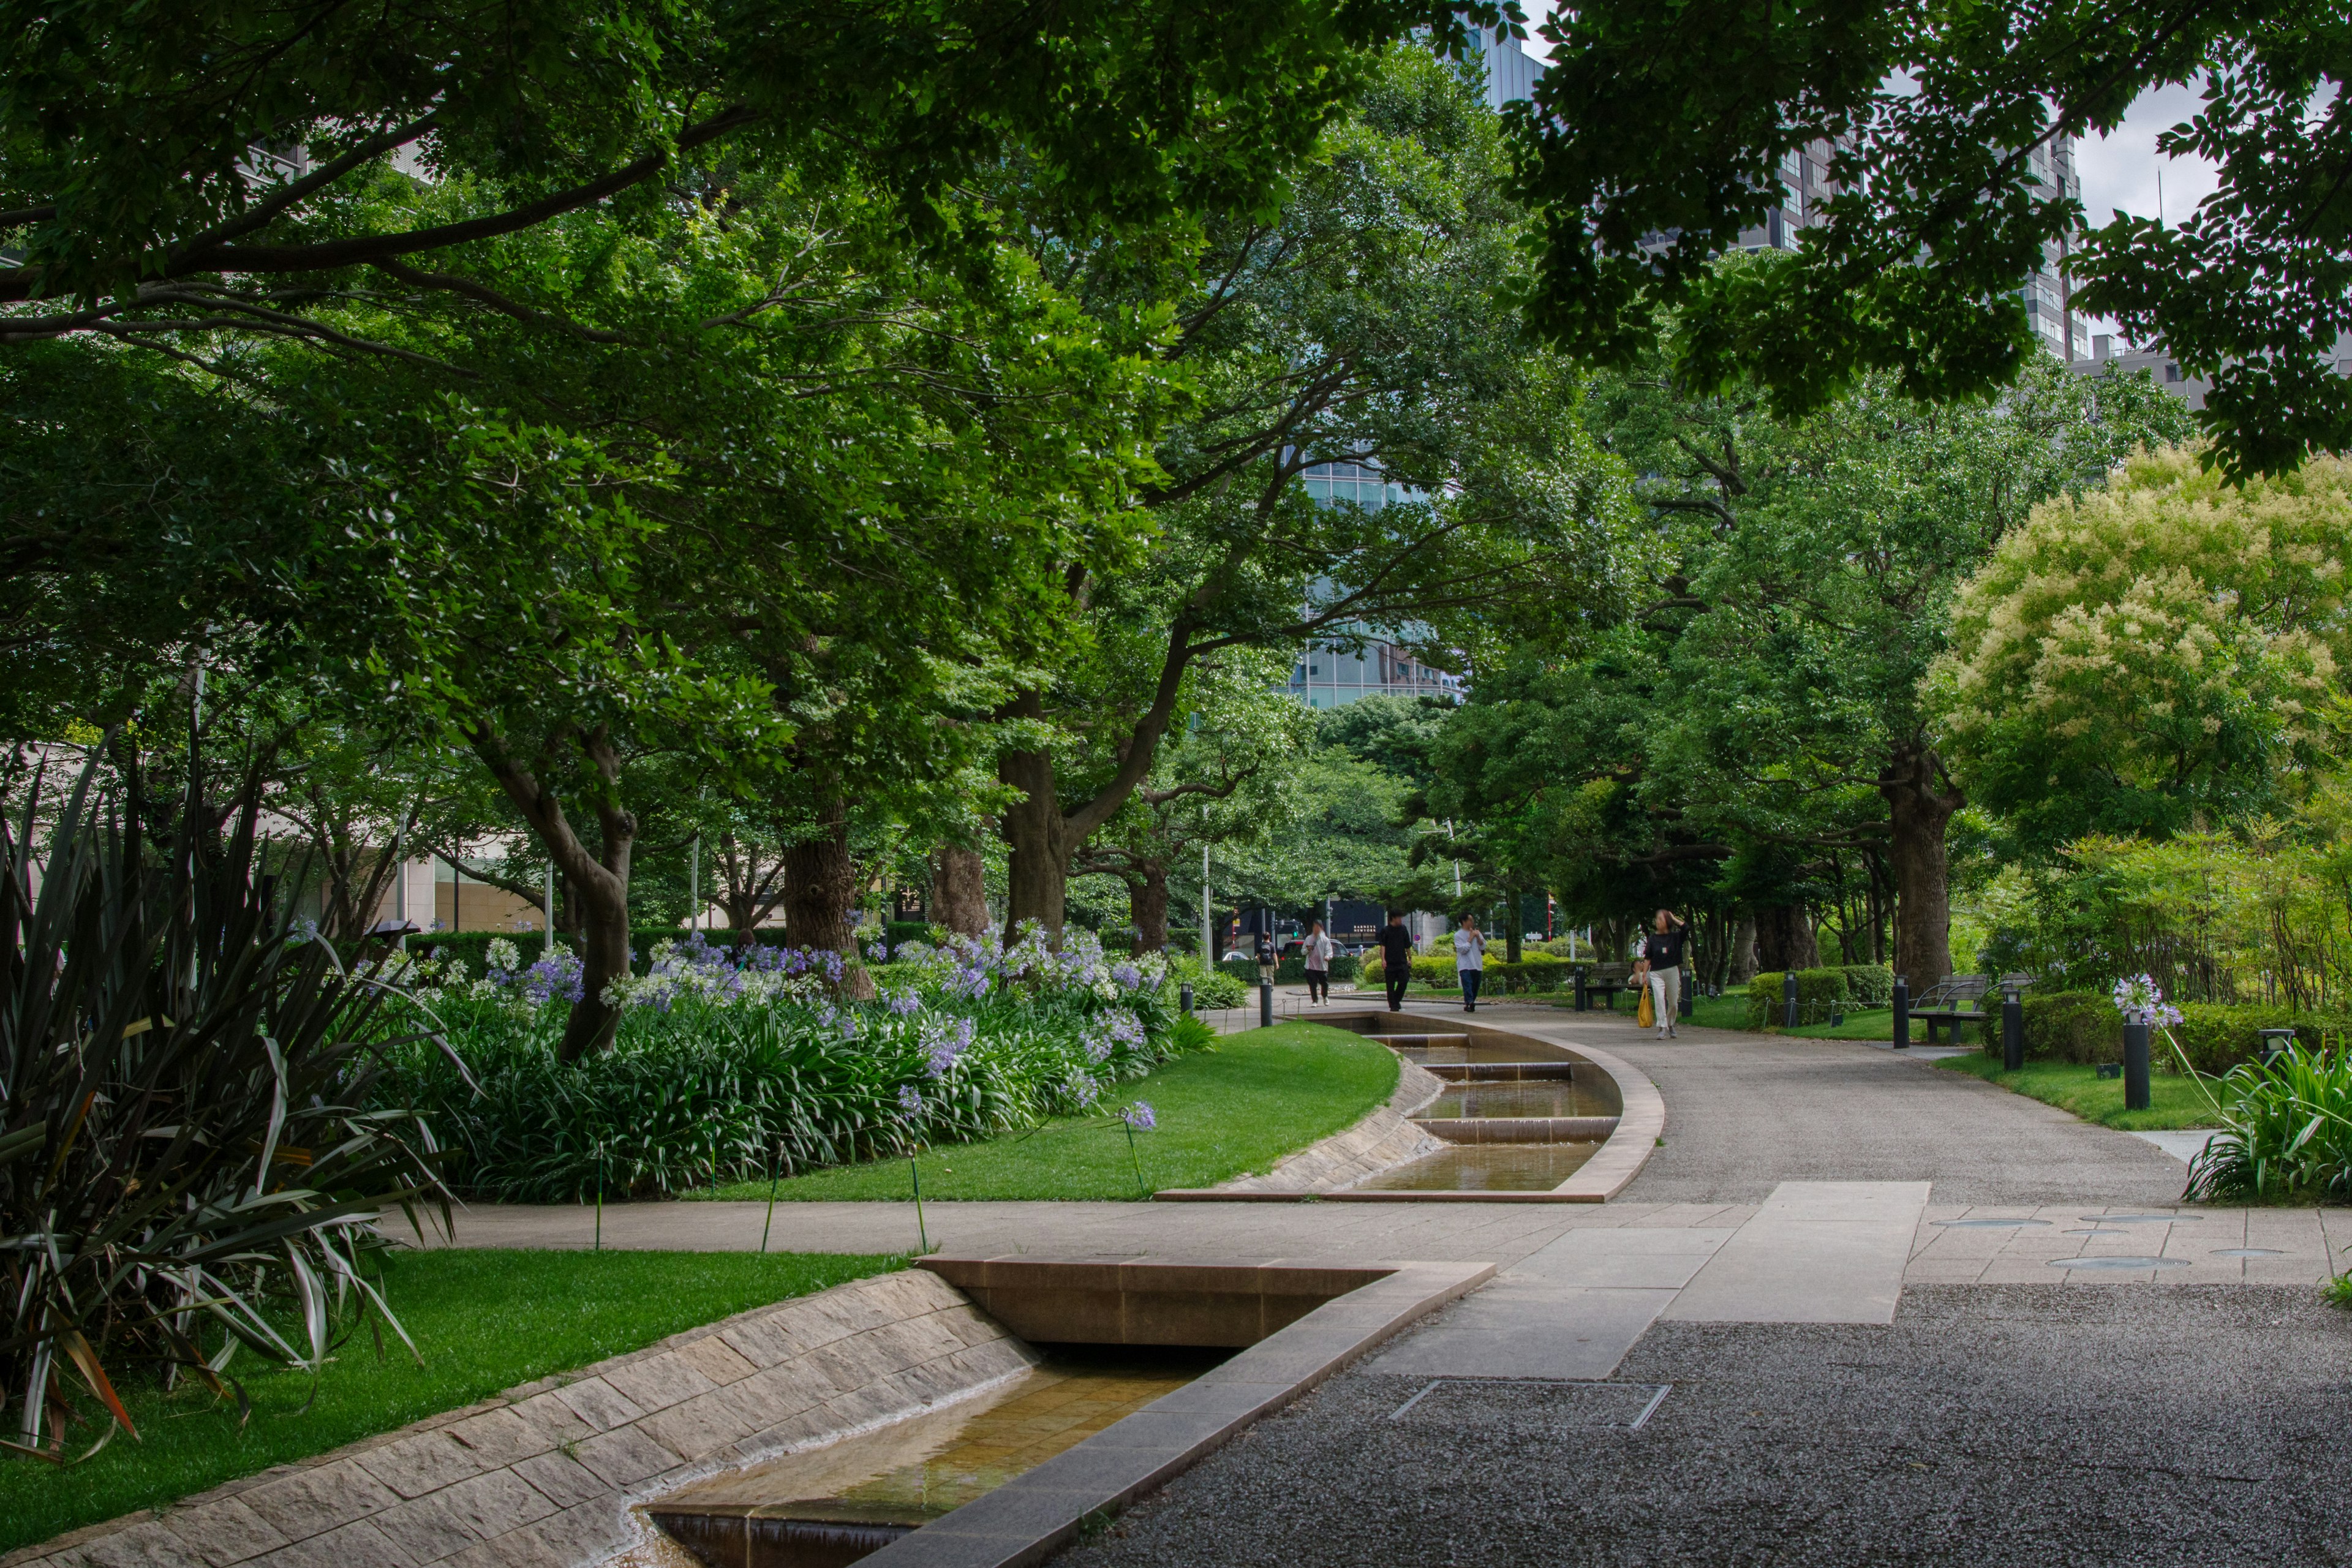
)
(1788, 999)
(2276, 1043)
(1184, 999)
(2012, 1029)
(1265, 1004)
(2136, 1037)
(1902, 1012)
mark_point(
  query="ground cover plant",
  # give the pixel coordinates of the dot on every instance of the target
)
(483, 1320)
(730, 1066)
(2287, 1131)
(1219, 1114)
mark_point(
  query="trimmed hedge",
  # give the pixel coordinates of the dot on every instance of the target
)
(1820, 993)
(1536, 971)
(1869, 985)
(2083, 1026)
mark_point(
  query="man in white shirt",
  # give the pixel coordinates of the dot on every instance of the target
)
(1469, 961)
(1318, 951)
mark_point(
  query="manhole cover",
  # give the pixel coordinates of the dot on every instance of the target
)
(2249, 1252)
(1530, 1406)
(2117, 1263)
(1985, 1224)
(2139, 1218)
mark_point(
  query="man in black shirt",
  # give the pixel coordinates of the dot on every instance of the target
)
(1396, 960)
(1661, 968)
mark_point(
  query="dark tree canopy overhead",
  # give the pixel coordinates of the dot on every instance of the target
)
(1656, 136)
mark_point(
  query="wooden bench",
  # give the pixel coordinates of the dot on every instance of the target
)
(1605, 980)
(1961, 999)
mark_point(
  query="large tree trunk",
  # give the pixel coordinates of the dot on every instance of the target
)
(1785, 939)
(1147, 902)
(820, 893)
(960, 890)
(1038, 876)
(1920, 800)
(596, 884)
(1743, 950)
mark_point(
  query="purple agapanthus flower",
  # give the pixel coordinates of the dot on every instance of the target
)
(1138, 1116)
(943, 1042)
(905, 1002)
(910, 1099)
(1128, 975)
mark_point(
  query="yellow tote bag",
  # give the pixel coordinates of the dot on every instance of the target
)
(1645, 1019)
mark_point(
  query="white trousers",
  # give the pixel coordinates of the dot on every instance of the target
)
(1666, 993)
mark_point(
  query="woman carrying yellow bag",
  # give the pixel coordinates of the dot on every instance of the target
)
(1660, 972)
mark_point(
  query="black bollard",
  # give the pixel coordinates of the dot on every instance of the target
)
(1583, 1002)
(2012, 1030)
(1902, 1012)
(1265, 1004)
(1184, 1000)
(1788, 999)
(2136, 1038)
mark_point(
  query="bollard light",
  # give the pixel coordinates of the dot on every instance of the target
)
(2276, 1043)
(2135, 1086)
(1184, 1000)
(2012, 1029)
(1265, 1004)
(1789, 998)
(1902, 1012)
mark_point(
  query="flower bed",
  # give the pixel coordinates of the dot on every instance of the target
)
(730, 1067)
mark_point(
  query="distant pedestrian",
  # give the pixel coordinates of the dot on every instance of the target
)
(1396, 960)
(1318, 950)
(1269, 958)
(1661, 968)
(1469, 961)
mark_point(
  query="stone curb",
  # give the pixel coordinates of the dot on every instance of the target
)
(1032, 1516)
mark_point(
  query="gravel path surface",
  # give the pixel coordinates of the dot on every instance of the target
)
(1988, 1426)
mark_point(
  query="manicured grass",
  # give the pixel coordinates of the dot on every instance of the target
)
(2175, 1100)
(484, 1320)
(1221, 1113)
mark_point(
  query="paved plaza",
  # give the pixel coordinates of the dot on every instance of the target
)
(1898, 1316)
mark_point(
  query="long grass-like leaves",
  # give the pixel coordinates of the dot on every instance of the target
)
(2287, 1131)
(189, 1120)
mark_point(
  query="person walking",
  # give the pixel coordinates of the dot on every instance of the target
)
(1319, 951)
(1469, 961)
(1269, 958)
(1661, 968)
(1396, 959)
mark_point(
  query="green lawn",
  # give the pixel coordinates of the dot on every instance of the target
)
(1221, 1113)
(485, 1320)
(2175, 1100)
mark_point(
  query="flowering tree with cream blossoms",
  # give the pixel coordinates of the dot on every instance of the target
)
(2165, 653)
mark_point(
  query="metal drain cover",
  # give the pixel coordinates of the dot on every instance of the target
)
(2118, 1263)
(1536, 1405)
(2250, 1252)
(1985, 1224)
(2139, 1218)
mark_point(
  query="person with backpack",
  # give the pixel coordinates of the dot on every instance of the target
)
(1269, 958)
(1318, 949)
(1470, 961)
(1396, 959)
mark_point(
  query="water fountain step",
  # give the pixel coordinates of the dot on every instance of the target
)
(1500, 1072)
(1422, 1041)
(1519, 1128)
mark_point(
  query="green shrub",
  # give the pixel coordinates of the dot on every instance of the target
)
(2286, 1132)
(1212, 988)
(1820, 993)
(1536, 974)
(2084, 1026)
(1869, 985)
(1291, 970)
(471, 947)
(2079, 1027)
(1428, 969)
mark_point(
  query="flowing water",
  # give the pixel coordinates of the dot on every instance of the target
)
(1486, 1167)
(1521, 1097)
(834, 1504)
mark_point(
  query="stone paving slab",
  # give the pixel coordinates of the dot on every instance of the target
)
(2296, 1243)
(1817, 1252)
